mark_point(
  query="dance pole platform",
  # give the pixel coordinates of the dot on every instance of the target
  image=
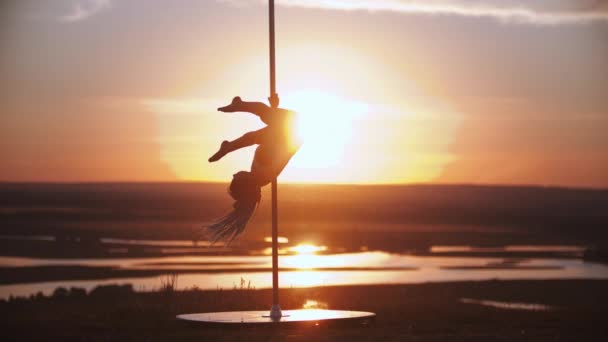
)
(304, 317)
(275, 316)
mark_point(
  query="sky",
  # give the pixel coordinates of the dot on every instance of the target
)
(388, 91)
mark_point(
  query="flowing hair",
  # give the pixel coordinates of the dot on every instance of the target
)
(246, 193)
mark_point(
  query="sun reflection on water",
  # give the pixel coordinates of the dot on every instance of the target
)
(311, 265)
(304, 261)
(303, 279)
(300, 249)
(314, 304)
(307, 248)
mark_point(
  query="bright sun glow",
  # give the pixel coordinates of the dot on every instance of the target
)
(325, 125)
(307, 249)
(314, 304)
(305, 256)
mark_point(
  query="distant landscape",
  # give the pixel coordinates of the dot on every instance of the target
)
(487, 262)
(390, 218)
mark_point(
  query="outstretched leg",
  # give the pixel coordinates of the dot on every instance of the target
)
(258, 108)
(247, 139)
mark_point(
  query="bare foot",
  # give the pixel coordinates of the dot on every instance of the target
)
(232, 107)
(221, 153)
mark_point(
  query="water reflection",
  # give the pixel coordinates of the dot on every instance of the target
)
(28, 237)
(309, 270)
(163, 243)
(508, 305)
(314, 304)
(304, 248)
(307, 248)
(565, 249)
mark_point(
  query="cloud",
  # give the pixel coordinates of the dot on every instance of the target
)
(538, 11)
(83, 9)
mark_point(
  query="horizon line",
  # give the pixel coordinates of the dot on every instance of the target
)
(472, 184)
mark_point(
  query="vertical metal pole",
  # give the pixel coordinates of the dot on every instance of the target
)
(273, 84)
(275, 311)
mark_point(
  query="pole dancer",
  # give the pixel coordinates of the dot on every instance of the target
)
(277, 143)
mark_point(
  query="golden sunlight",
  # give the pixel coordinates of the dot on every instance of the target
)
(280, 239)
(305, 261)
(325, 124)
(343, 128)
(307, 249)
(305, 256)
(314, 304)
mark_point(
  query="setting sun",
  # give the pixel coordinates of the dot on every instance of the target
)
(249, 163)
(325, 124)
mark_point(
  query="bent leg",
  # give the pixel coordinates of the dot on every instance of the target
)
(247, 139)
(257, 108)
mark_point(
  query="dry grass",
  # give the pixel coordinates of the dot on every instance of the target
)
(169, 283)
(428, 312)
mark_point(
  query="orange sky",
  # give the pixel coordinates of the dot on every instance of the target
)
(104, 90)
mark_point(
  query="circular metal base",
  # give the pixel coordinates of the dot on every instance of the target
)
(257, 318)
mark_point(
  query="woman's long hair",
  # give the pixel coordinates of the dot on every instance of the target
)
(246, 192)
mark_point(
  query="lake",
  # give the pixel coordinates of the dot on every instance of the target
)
(309, 266)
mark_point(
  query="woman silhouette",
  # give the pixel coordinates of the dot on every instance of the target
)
(277, 143)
